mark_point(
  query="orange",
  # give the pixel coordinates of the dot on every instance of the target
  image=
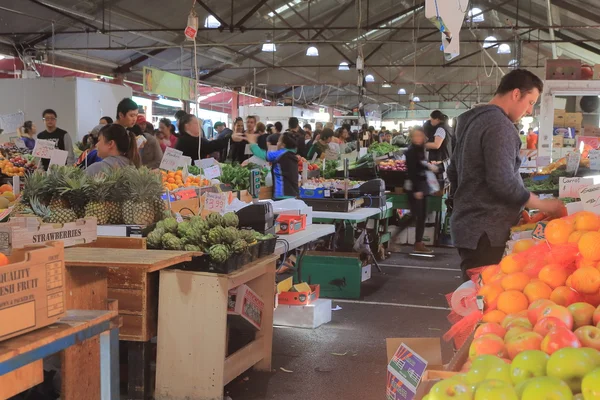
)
(510, 264)
(496, 316)
(488, 272)
(575, 236)
(536, 290)
(569, 282)
(3, 258)
(512, 301)
(582, 263)
(565, 296)
(6, 188)
(490, 292)
(558, 231)
(171, 180)
(587, 221)
(515, 281)
(586, 280)
(589, 246)
(179, 172)
(523, 245)
(553, 275)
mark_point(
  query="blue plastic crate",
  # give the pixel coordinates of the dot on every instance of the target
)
(318, 193)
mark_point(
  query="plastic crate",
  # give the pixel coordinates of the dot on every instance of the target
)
(267, 247)
(318, 193)
(254, 251)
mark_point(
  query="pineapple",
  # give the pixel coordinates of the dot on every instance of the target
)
(75, 190)
(35, 185)
(143, 187)
(50, 215)
(98, 205)
(117, 189)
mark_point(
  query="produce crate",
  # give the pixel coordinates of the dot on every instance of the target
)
(318, 193)
(254, 251)
(334, 205)
(359, 174)
(563, 69)
(267, 247)
(393, 179)
(21, 232)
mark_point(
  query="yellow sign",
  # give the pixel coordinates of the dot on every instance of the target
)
(169, 84)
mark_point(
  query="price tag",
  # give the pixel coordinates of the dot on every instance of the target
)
(212, 172)
(215, 202)
(570, 187)
(362, 152)
(205, 163)
(20, 143)
(141, 141)
(58, 157)
(186, 194)
(43, 148)
(573, 159)
(171, 159)
(594, 156)
(538, 231)
(185, 161)
(590, 197)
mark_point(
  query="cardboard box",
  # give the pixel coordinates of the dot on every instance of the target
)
(310, 316)
(569, 142)
(592, 141)
(559, 118)
(563, 69)
(21, 232)
(567, 133)
(245, 305)
(574, 120)
(596, 72)
(558, 141)
(590, 130)
(302, 298)
(32, 289)
(188, 207)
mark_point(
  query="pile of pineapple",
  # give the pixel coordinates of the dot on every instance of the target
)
(122, 196)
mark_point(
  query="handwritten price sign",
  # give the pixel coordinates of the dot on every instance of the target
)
(594, 156)
(43, 148)
(590, 197)
(573, 159)
(215, 202)
(212, 172)
(171, 159)
(570, 187)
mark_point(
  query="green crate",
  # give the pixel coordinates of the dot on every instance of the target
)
(338, 274)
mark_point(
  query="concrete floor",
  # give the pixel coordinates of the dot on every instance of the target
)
(403, 302)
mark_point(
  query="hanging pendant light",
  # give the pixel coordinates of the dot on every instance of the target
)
(344, 66)
(402, 91)
(369, 78)
(312, 51)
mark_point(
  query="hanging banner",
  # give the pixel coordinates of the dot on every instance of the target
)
(168, 84)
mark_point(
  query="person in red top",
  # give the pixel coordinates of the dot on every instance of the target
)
(532, 139)
(167, 129)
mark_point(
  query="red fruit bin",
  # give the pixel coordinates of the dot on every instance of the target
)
(289, 224)
(300, 298)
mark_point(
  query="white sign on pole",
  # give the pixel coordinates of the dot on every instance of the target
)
(58, 157)
(573, 159)
(43, 148)
(570, 187)
(212, 172)
(590, 198)
(186, 161)
(594, 156)
(171, 159)
(205, 163)
(215, 202)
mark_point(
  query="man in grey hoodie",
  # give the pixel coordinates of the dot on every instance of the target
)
(486, 187)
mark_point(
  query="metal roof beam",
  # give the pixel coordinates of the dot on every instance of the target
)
(245, 18)
(65, 14)
(127, 67)
(211, 12)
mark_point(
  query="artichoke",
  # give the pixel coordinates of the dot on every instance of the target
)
(231, 219)
(171, 242)
(215, 235)
(184, 229)
(214, 219)
(194, 236)
(219, 253)
(191, 247)
(200, 223)
(154, 238)
(247, 235)
(239, 246)
(170, 225)
(230, 235)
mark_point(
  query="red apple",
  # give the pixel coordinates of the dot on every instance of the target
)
(514, 332)
(589, 336)
(489, 327)
(546, 324)
(559, 312)
(535, 308)
(559, 338)
(520, 321)
(522, 342)
(511, 317)
(582, 314)
(487, 344)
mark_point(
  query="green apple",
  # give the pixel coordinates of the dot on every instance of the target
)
(426, 397)
(514, 332)
(520, 387)
(578, 396)
(528, 364)
(546, 388)
(593, 353)
(494, 389)
(501, 373)
(570, 365)
(582, 314)
(450, 389)
(480, 368)
(590, 385)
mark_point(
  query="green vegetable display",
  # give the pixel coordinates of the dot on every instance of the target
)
(548, 184)
(171, 242)
(154, 239)
(168, 224)
(239, 246)
(214, 219)
(330, 168)
(231, 219)
(239, 177)
(230, 235)
(219, 253)
(191, 247)
(216, 235)
(380, 149)
(194, 170)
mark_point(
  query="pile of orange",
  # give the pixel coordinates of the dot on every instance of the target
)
(569, 271)
(9, 169)
(173, 180)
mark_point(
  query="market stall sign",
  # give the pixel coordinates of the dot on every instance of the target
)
(573, 160)
(538, 231)
(594, 156)
(212, 172)
(215, 202)
(58, 157)
(43, 148)
(404, 373)
(169, 84)
(590, 197)
(205, 163)
(171, 159)
(570, 187)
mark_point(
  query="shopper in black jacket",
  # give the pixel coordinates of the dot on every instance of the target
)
(193, 145)
(416, 185)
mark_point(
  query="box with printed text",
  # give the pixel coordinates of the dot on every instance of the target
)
(244, 304)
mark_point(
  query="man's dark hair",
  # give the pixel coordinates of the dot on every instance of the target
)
(347, 127)
(273, 138)
(183, 121)
(326, 134)
(289, 140)
(278, 127)
(365, 127)
(251, 117)
(179, 114)
(108, 120)
(307, 126)
(293, 123)
(125, 106)
(49, 111)
(149, 128)
(521, 79)
(437, 114)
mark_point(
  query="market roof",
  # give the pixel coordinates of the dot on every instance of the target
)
(401, 47)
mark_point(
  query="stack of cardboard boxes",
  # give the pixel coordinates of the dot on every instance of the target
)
(567, 126)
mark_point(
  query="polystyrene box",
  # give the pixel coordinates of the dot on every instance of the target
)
(311, 316)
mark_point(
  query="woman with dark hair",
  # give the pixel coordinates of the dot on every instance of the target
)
(90, 155)
(167, 129)
(117, 147)
(27, 133)
(192, 142)
(105, 121)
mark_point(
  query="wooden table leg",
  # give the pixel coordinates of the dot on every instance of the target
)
(109, 365)
(138, 367)
(86, 289)
(264, 286)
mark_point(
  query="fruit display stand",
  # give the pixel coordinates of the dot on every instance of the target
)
(435, 204)
(129, 276)
(21, 357)
(192, 360)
